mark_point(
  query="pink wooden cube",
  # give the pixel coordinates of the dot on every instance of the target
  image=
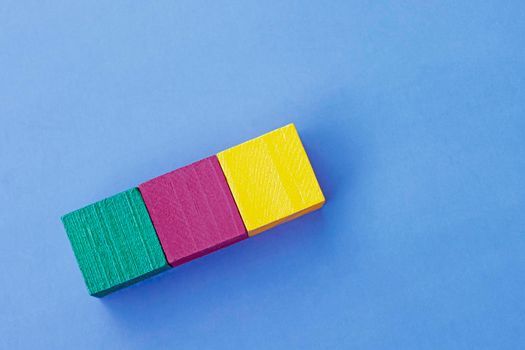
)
(193, 211)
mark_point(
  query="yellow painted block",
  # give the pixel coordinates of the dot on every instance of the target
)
(271, 179)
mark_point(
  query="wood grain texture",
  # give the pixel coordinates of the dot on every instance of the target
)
(114, 242)
(271, 179)
(193, 211)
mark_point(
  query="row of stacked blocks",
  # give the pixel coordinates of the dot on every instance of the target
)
(193, 211)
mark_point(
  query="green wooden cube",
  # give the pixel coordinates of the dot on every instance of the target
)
(114, 242)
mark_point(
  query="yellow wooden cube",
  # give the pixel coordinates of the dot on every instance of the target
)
(271, 179)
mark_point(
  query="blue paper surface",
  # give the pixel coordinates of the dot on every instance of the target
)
(412, 113)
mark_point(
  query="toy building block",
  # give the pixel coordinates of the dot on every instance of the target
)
(193, 211)
(114, 242)
(271, 179)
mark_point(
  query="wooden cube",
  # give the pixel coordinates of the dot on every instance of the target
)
(114, 242)
(193, 211)
(271, 179)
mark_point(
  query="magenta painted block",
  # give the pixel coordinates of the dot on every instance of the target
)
(193, 211)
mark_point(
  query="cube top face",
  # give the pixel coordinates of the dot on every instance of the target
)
(193, 211)
(114, 242)
(271, 179)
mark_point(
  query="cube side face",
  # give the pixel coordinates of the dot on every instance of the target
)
(193, 211)
(271, 179)
(114, 242)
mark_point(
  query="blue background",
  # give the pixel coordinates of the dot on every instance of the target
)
(412, 112)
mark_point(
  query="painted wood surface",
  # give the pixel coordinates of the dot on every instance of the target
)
(271, 179)
(193, 211)
(114, 242)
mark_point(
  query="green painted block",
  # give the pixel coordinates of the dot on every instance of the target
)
(114, 242)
